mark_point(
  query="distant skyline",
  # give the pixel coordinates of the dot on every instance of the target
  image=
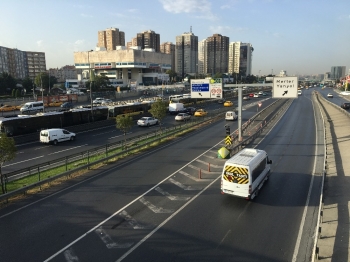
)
(298, 36)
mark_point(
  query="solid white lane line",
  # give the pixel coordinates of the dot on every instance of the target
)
(23, 161)
(66, 149)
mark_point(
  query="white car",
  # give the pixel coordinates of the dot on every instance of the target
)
(261, 93)
(330, 95)
(106, 101)
(182, 117)
(299, 92)
(98, 100)
(147, 121)
(256, 95)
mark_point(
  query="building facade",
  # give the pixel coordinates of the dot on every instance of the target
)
(186, 54)
(240, 58)
(169, 48)
(64, 73)
(148, 40)
(217, 54)
(125, 67)
(202, 57)
(21, 64)
(111, 38)
(337, 72)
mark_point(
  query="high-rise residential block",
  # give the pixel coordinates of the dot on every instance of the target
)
(217, 54)
(169, 48)
(337, 72)
(202, 57)
(149, 40)
(240, 58)
(186, 54)
(110, 38)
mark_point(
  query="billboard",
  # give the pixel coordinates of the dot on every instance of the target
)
(206, 88)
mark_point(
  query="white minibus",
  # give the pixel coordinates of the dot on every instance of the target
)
(244, 174)
(32, 107)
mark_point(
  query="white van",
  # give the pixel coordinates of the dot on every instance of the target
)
(245, 173)
(32, 107)
(55, 135)
(230, 115)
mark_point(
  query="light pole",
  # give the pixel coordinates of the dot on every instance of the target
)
(91, 79)
(42, 92)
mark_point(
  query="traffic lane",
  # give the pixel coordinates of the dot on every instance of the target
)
(63, 217)
(36, 153)
(216, 227)
(337, 99)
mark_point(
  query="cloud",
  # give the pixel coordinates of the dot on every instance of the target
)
(86, 15)
(39, 43)
(203, 7)
(223, 30)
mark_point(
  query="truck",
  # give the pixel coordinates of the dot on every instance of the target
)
(245, 173)
(175, 108)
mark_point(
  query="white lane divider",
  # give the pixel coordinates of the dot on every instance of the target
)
(67, 149)
(70, 256)
(182, 185)
(133, 222)
(109, 241)
(23, 161)
(154, 208)
(171, 197)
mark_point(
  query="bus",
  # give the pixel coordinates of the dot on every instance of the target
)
(130, 109)
(25, 124)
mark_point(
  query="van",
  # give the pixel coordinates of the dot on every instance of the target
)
(32, 107)
(55, 135)
(230, 115)
(244, 174)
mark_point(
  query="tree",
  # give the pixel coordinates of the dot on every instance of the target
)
(172, 75)
(7, 83)
(101, 81)
(7, 152)
(124, 124)
(27, 84)
(158, 110)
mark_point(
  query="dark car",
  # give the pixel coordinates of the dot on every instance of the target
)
(190, 110)
(345, 105)
(67, 105)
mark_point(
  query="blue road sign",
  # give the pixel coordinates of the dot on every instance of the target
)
(203, 87)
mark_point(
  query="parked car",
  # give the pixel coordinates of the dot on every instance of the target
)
(190, 110)
(345, 105)
(330, 95)
(182, 117)
(200, 112)
(67, 105)
(7, 108)
(147, 121)
(228, 103)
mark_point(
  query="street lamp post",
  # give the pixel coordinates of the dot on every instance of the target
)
(42, 91)
(91, 79)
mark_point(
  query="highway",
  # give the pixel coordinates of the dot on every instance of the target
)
(154, 207)
(36, 153)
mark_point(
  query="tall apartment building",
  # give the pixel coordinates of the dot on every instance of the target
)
(240, 58)
(148, 40)
(21, 64)
(186, 54)
(169, 48)
(202, 57)
(133, 42)
(110, 38)
(217, 54)
(36, 63)
(337, 72)
(13, 62)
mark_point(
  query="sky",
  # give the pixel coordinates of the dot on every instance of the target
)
(302, 37)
